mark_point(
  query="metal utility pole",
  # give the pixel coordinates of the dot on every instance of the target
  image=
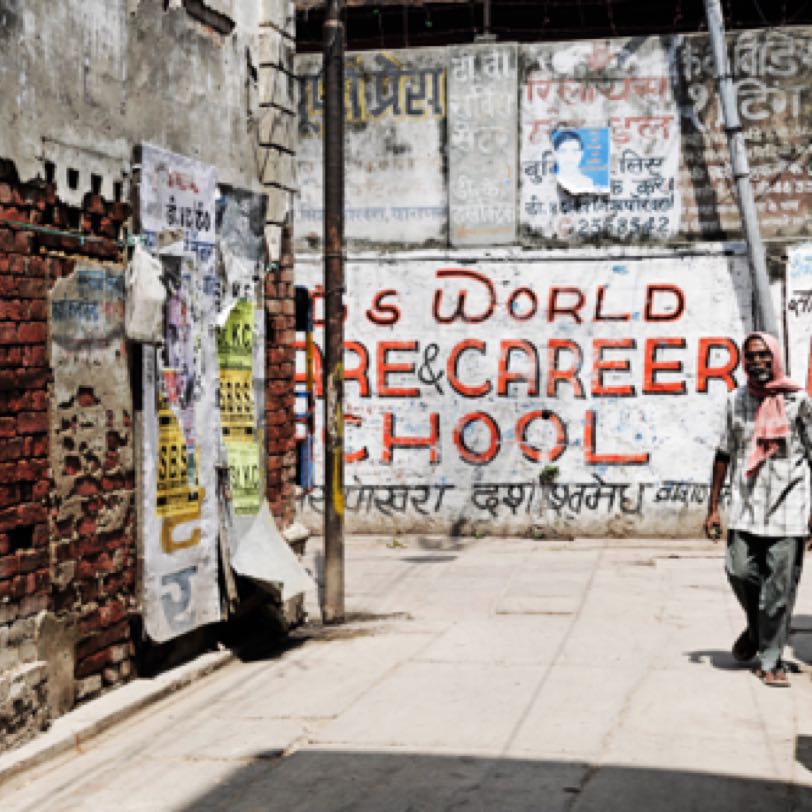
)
(486, 35)
(764, 312)
(333, 607)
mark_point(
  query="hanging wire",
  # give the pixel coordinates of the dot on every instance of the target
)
(532, 20)
(797, 13)
(678, 16)
(377, 13)
(610, 13)
(764, 20)
(22, 225)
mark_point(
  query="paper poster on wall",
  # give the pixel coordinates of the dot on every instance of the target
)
(91, 434)
(241, 353)
(180, 449)
(798, 314)
(235, 347)
(600, 142)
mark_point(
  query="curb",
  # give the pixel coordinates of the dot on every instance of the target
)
(89, 720)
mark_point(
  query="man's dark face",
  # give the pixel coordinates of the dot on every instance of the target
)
(758, 362)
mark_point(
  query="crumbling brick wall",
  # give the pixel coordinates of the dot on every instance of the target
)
(276, 151)
(66, 586)
(280, 396)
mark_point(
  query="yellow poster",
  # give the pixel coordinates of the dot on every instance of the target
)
(237, 408)
(179, 494)
(237, 404)
(235, 340)
(243, 466)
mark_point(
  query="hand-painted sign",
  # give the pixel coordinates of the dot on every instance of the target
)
(535, 390)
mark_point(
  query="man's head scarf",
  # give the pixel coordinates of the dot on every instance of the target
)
(771, 426)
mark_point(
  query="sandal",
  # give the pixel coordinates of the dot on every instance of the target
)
(776, 678)
(744, 649)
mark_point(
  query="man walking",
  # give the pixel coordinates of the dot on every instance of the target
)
(765, 443)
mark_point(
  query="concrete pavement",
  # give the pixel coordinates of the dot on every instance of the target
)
(492, 674)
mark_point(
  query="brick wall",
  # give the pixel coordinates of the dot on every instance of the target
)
(67, 490)
(280, 396)
(277, 146)
(66, 587)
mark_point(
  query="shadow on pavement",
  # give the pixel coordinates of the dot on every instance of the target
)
(800, 647)
(329, 781)
(801, 638)
(717, 658)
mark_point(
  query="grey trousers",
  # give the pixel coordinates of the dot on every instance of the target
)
(764, 573)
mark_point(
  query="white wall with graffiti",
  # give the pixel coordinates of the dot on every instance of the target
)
(543, 302)
(557, 391)
(557, 143)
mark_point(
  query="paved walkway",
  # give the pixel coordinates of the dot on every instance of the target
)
(487, 675)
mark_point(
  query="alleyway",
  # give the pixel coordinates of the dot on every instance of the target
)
(484, 675)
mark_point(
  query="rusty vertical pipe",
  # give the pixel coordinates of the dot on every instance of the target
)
(333, 606)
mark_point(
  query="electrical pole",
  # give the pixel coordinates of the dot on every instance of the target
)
(764, 311)
(333, 607)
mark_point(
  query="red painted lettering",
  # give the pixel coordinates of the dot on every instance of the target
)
(591, 456)
(360, 374)
(705, 372)
(383, 314)
(494, 442)
(513, 308)
(460, 311)
(554, 374)
(600, 315)
(453, 372)
(391, 441)
(555, 309)
(536, 454)
(664, 313)
(506, 377)
(601, 365)
(653, 367)
(362, 453)
(386, 368)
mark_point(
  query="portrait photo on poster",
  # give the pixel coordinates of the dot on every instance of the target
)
(581, 157)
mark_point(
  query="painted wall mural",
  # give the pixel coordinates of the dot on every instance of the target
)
(395, 130)
(618, 140)
(567, 392)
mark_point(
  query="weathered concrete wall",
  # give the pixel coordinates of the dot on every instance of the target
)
(133, 72)
(653, 165)
(605, 371)
(395, 178)
(84, 83)
(482, 145)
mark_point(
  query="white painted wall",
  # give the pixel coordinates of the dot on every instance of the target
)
(632, 442)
